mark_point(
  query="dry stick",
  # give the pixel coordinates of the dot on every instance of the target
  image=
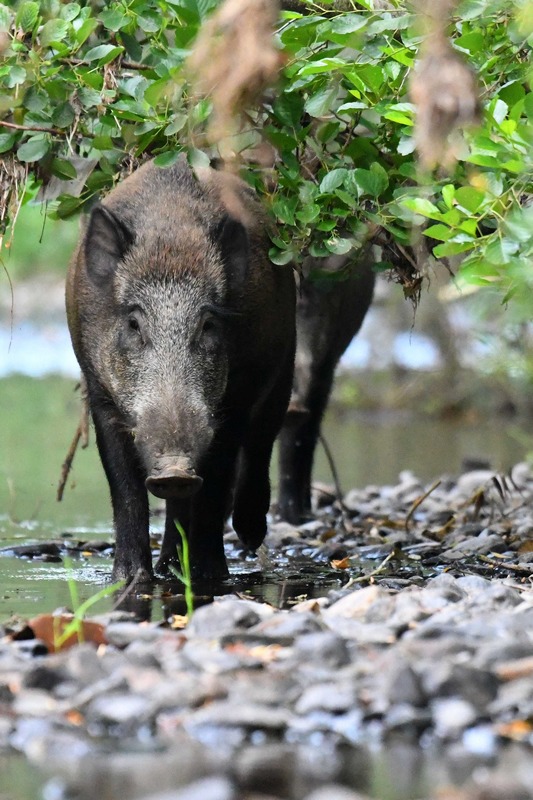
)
(82, 434)
(371, 574)
(503, 565)
(335, 476)
(67, 463)
(418, 502)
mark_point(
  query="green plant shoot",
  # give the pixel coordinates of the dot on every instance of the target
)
(184, 573)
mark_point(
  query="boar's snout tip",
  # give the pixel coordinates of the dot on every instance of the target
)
(174, 483)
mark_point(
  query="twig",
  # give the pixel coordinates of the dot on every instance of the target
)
(81, 434)
(335, 476)
(371, 574)
(419, 501)
(67, 463)
(80, 62)
(17, 127)
(523, 570)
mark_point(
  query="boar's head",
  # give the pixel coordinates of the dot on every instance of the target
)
(163, 327)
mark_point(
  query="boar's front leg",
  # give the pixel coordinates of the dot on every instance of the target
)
(128, 495)
(204, 515)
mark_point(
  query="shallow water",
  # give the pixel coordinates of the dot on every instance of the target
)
(39, 418)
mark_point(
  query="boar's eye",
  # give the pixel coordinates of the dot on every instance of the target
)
(134, 328)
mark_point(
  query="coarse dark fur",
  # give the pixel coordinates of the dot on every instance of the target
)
(185, 333)
(328, 315)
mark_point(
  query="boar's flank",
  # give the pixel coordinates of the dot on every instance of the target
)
(185, 333)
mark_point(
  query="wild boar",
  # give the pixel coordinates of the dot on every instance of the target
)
(328, 315)
(185, 333)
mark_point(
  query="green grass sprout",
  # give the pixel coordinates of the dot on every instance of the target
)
(184, 573)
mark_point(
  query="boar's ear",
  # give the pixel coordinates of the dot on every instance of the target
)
(107, 240)
(232, 238)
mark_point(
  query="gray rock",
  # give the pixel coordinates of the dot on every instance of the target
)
(271, 768)
(451, 716)
(333, 697)
(335, 792)
(217, 787)
(324, 648)
(223, 616)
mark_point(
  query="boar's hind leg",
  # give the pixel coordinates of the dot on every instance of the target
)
(128, 496)
(297, 443)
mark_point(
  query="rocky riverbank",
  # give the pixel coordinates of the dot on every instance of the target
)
(414, 679)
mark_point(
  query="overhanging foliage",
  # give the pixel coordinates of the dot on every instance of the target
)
(86, 90)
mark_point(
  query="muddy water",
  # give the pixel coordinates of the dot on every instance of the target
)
(39, 418)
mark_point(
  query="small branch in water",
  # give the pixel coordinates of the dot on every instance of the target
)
(419, 501)
(520, 568)
(373, 573)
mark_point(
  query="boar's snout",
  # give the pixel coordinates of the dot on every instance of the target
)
(174, 478)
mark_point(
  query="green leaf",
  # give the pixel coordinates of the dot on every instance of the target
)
(448, 193)
(113, 19)
(27, 16)
(63, 169)
(440, 232)
(53, 31)
(103, 53)
(339, 245)
(85, 30)
(15, 76)
(7, 140)
(70, 11)
(34, 149)
(452, 248)
(371, 181)
(499, 251)
(6, 17)
(333, 180)
(167, 159)
(469, 198)
(63, 115)
(421, 206)
(320, 103)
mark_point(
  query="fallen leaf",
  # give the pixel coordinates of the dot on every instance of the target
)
(341, 563)
(50, 630)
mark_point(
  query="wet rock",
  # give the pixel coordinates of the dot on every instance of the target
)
(216, 788)
(451, 716)
(325, 697)
(121, 634)
(283, 625)
(223, 616)
(335, 792)
(324, 647)
(123, 712)
(270, 769)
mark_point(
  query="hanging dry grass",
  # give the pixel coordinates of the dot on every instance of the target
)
(234, 60)
(443, 88)
(12, 178)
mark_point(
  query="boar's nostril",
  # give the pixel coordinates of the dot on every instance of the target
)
(173, 483)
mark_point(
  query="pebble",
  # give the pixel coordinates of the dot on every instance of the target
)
(432, 649)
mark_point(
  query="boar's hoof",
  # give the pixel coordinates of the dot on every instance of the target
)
(173, 483)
